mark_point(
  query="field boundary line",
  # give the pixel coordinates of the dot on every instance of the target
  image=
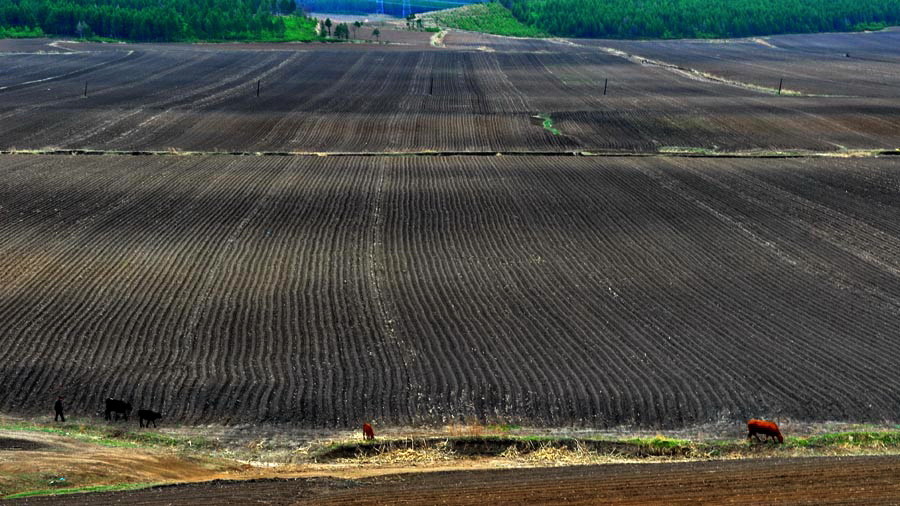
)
(68, 74)
(665, 153)
(699, 75)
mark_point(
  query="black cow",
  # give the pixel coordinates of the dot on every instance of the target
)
(150, 416)
(118, 407)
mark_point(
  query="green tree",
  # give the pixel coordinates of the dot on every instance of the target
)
(328, 26)
(287, 6)
(356, 26)
(376, 33)
(81, 28)
(342, 31)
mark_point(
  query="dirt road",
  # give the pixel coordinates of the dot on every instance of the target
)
(825, 480)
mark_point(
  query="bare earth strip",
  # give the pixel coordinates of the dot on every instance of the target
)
(869, 480)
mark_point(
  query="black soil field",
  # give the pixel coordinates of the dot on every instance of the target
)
(650, 291)
(851, 65)
(820, 481)
(478, 93)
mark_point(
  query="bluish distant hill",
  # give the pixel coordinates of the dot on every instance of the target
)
(398, 8)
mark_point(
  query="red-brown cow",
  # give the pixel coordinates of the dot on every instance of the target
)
(368, 433)
(766, 428)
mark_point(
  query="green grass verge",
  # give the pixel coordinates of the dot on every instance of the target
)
(870, 27)
(877, 439)
(81, 490)
(20, 32)
(112, 436)
(299, 29)
(660, 442)
(502, 427)
(841, 443)
(484, 17)
(296, 29)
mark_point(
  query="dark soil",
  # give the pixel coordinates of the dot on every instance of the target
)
(370, 98)
(15, 444)
(555, 291)
(819, 481)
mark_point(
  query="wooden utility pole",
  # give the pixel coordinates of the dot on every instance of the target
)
(257, 88)
(431, 87)
(780, 84)
(85, 88)
(605, 85)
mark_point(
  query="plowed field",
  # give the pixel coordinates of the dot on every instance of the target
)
(851, 65)
(479, 93)
(819, 481)
(653, 291)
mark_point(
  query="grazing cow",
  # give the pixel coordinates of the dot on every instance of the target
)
(118, 407)
(766, 428)
(150, 416)
(368, 433)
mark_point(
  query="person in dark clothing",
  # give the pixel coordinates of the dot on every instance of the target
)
(58, 407)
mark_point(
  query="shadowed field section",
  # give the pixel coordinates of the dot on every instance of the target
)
(657, 292)
(870, 480)
(479, 93)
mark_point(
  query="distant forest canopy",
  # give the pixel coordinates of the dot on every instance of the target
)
(390, 7)
(150, 20)
(186, 20)
(701, 18)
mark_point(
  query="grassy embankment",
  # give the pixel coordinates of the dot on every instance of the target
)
(109, 436)
(498, 445)
(73, 457)
(81, 490)
(298, 29)
(529, 449)
(486, 18)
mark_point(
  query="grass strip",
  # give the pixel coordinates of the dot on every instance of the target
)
(81, 490)
(640, 447)
(111, 436)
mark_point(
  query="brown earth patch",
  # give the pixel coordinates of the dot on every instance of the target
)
(764, 481)
(41, 461)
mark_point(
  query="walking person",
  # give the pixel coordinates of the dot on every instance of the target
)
(58, 407)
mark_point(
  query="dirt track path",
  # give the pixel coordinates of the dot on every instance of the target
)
(825, 480)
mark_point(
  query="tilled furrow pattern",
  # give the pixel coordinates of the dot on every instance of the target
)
(324, 98)
(658, 292)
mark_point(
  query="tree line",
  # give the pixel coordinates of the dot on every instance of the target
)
(701, 18)
(151, 20)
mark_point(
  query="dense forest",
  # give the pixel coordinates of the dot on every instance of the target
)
(701, 18)
(151, 20)
(185, 20)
